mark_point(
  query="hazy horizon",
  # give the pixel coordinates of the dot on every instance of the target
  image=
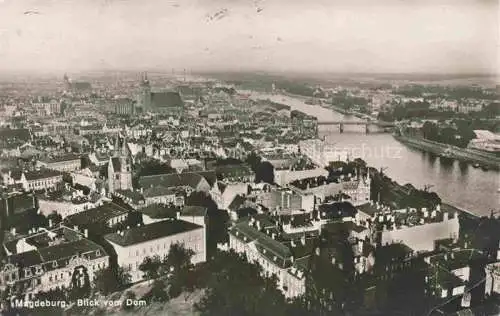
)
(289, 36)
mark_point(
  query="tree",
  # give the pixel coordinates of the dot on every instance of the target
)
(178, 258)
(253, 160)
(109, 280)
(157, 292)
(151, 267)
(430, 131)
(265, 172)
(248, 294)
(217, 219)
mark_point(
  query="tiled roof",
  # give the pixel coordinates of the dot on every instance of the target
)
(26, 259)
(135, 196)
(153, 231)
(337, 210)
(99, 214)
(41, 174)
(171, 180)
(70, 249)
(62, 158)
(368, 209)
(159, 211)
(192, 210)
(21, 133)
(158, 191)
(237, 203)
(166, 99)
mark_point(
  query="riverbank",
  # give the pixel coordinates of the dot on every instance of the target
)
(452, 152)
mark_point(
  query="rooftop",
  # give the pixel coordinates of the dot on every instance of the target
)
(41, 174)
(192, 210)
(160, 211)
(99, 214)
(153, 231)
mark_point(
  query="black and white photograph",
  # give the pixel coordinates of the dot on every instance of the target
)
(250, 157)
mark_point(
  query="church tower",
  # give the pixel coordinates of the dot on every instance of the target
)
(67, 83)
(120, 168)
(144, 99)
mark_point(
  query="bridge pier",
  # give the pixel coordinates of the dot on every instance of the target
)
(341, 127)
(367, 130)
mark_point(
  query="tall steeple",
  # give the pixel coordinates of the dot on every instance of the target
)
(116, 146)
(123, 151)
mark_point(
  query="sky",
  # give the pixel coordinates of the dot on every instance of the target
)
(438, 36)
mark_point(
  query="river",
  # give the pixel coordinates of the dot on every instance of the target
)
(456, 183)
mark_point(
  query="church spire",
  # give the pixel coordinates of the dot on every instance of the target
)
(116, 145)
(123, 151)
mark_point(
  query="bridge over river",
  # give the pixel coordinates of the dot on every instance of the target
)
(367, 126)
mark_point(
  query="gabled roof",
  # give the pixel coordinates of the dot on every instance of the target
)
(70, 249)
(166, 99)
(99, 214)
(116, 163)
(337, 210)
(171, 180)
(158, 191)
(41, 174)
(237, 203)
(159, 211)
(193, 210)
(152, 231)
(26, 259)
(135, 196)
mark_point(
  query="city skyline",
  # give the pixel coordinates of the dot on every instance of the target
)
(352, 37)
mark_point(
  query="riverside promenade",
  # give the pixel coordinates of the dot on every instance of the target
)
(463, 154)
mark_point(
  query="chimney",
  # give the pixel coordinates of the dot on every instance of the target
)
(303, 240)
(178, 215)
(86, 233)
(50, 223)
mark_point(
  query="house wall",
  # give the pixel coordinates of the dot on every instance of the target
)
(61, 278)
(41, 184)
(64, 209)
(130, 257)
(422, 237)
(287, 283)
(282, 177)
